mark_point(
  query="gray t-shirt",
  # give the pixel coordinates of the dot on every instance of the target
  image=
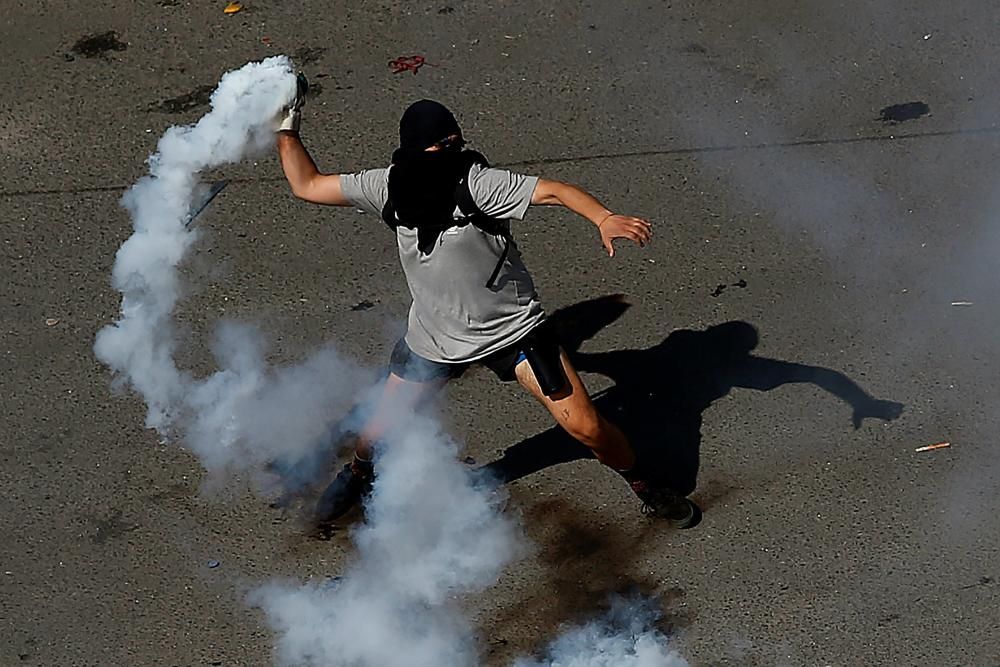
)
(454, 317)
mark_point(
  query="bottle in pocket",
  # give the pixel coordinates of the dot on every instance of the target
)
(542, 353)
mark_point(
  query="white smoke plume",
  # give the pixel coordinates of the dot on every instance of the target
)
(245, 414)
(624, 637)
(432, 533)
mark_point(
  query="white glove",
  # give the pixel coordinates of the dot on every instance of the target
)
(293, 115)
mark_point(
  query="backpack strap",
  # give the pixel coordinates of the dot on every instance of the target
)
(474, 215)
(389, 215)
(463, 195)
(389, 211)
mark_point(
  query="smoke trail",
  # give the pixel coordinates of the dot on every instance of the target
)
(243, 414)
(625, 637)
(431, 534)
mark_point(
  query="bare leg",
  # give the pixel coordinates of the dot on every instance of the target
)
(399, 398)
(575, 412)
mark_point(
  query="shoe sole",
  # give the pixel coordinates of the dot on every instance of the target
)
(689, 520)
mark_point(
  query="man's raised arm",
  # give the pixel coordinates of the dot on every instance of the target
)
(306, 180)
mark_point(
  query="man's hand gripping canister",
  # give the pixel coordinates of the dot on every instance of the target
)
(293, 115)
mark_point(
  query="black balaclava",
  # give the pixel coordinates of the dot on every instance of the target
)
(422, 183)
(424, 124)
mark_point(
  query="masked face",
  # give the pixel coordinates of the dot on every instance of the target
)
(426, 124)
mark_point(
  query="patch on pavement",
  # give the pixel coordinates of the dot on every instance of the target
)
(98, 45)
(199, 97)
(899, 113)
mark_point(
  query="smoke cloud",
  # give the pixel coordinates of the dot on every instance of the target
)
(433, 532)
(624, 637)
(432, 535)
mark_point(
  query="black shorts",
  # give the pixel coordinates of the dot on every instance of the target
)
(408, 365)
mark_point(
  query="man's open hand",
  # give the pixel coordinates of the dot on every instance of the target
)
(624, 227)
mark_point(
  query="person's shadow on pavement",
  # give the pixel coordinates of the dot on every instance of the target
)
(660, 393)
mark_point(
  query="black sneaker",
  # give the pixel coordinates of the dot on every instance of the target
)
(663, 503)
(347, 489)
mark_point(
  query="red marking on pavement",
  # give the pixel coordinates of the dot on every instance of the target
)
(407, 63)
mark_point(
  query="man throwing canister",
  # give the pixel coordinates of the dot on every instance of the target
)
(474, 301)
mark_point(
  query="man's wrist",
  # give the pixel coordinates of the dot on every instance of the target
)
(602, 218)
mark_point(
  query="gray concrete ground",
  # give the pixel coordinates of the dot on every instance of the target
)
(750, 133)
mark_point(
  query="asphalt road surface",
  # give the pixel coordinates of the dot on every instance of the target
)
(824, 172)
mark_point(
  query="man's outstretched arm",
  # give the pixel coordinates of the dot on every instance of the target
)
(610, 225)
(306, 180)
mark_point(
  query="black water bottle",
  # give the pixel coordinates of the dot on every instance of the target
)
(542, 353)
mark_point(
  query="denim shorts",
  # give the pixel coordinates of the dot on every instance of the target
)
(408, 365)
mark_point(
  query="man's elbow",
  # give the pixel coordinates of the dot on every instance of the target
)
(549, 193)
(302, 190)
